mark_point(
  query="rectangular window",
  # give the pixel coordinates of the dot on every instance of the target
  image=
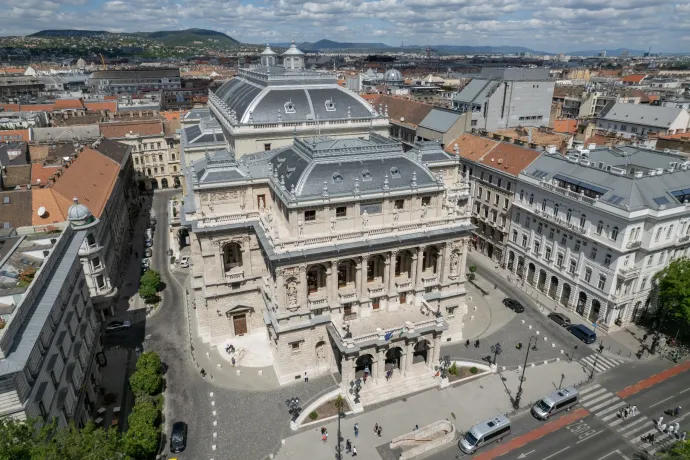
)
(602, 282)
(649, 260)
(564, 240)
(573, 266)
(295, 346)
(100, 282)
(426, 201)
(593, 254)
(588, 274)
(508, 186)
(371, 208)
(536, 247)
(515, 235)
(559, 260)
(310, 215)
(267, 147)
(497, 198)
(607, 260)
(488, 195)
(499, 180)
(480, 192)
(547, 253)
(491, 178)
(524, 241)
(341, 211)
(505, 203)
(399, 204)
(577, 246)
(481, 175)
(42, 409)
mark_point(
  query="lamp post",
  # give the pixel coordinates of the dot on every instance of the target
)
(339, 402)
(518, 395)
(596, 361)
(293, 407)
(496, 350)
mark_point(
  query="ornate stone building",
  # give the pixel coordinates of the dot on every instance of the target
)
(340, 255)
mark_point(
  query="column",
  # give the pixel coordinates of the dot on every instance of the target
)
(279, 295)
(380, 365)
(445, 269)
(247, 257)
(413, 274)
(386, 271)
(391, 276)
(329, 282)
(303, 286)
(359, 278)
(420, 265)
(463, 265)
(334, 282)
(409, 350)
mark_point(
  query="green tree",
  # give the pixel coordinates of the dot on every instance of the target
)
(673, 285)
(339, 404)
(16, 439)
(679, 451)
(89, 443)
(143, 435)
(151, 361)
(147, 380)
(149, 284)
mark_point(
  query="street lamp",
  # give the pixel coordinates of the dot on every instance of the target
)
(596, 361)
(293, 407)
(339, 402)
(518, 395)
(496, 350)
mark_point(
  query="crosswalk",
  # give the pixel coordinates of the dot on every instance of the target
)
(601, 363)
(607, 407)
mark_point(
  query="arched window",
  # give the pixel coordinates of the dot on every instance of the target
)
(172, 156)
(543, 205)
(600, 227)
(669, 233)
(569, 215)
(522, 195)
(583, 220)
(531, 198)
(555, 211)
(614, 233)
(90, 240)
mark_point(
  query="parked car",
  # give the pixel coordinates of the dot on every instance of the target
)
(152, 222)
(148, 242)
(583, 333)
(560, 319)
(148, 252)
(115, 326)
(514, 305)
(149, 233)
(145, 262)
(184, 262)
(178, 437)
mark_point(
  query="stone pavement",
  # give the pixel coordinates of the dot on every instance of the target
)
(464, 405)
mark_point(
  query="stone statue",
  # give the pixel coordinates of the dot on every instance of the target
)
(454, 263)
(261, 204)
(365, 219)
(333, 222)
(292, 294)
(425, 209)
(396, 216)
(300, 226)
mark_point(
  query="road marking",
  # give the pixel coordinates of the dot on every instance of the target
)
(653, 380)
(662, 401)
(630, 425)
(589, 437)
(638, 428)
(590, 388)
(609, 454)
(609, 409)
(525, 454)
(552, 455)
(616, 422)
(598, 399)
(687, 389)
(606, 403)
(533, 435)
(593, 394)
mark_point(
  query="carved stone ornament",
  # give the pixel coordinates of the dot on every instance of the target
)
(454, 263)
(292, 294)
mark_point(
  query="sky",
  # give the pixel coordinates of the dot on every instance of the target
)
(543, 25)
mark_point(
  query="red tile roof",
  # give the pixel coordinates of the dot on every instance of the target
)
(106, 105)
(42, 173)
(62, 104)
(510, 158)
(634, 78)
(400, 110)
(471, 146)
(7, 135)
(565, 125)
(119, 130)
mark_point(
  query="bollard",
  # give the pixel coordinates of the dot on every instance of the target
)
(208, 354)
(523, 321)
(530, 326)
(213, 403)
(475, 308)
(561, 351)
(261, 372)
(213, 447)
(219, 366)
(553, 345)
(537, 332)
(531, 365)
(211, 394)
(214, 413)
(282, 441)
(215, 422)
(471, 317)
(545, 339)
(546, 362)
(238, 372)
(215, 435)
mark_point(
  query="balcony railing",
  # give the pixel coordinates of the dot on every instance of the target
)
(430, 280)
(633, 244)
(234, 276)
(568, 193)
(630, 272)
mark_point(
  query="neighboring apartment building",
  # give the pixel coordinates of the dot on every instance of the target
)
(19, 88)
(492, 166)
(404, 117)
(264, 108)
(637, 121)
(506, 98)
(97, 179)
(338, 254)
(134, 81)
(591, 229)
(50, 351)
(155, 152)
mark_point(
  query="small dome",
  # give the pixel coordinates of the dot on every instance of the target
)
(392, 75)
(78, 212)
(268, 51)
(293, 51)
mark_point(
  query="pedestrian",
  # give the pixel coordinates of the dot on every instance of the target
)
(644, 338)
(634, 410)
(626, 412)
(519, 346)
(306, 378)
(324, 438)
(356, 430)
(354, 451)
(662, 427)
(416, 427)
(376, 427)
(233, 361)
(323, 430)
(661, 419)
(348, 446)
(476, 343)
(136, 255)
(676, 428)
(467, 343)
(379, 432)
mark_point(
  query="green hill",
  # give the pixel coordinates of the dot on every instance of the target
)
(188, 37)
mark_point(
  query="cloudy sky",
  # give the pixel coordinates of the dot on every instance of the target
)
(546, 25)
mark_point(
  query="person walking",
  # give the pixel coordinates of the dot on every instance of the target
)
(661, 419)
(644, 338)
(354, 451)
(376, 427)
(379, 432)
(676, 428)
(306, 378)
(633, 410)
(682, 436)
(348, 446)
(467, 343)
(356, 427)
(476, 343)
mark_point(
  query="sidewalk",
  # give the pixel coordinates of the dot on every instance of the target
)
(464, 405)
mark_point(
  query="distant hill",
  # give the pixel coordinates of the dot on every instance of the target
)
(609, 53)
(330, 45)
(188, 37)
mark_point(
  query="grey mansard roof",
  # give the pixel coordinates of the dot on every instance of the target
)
(641, 114)
(274, 94)
(315, 166)
(620, 188)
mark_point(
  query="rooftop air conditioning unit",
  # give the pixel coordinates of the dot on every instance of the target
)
(572, 159)
(584, 152)
(659, 170)
(638, 174)
(592, 146)
(617, 171)
(584, 162)
(551, 149)
(652, 172)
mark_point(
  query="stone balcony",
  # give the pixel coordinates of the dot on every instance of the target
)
(629, 272)
(373, 328)
(429, 279)
(403, 283)
(633, 244)
(234, 275)
(376, 289)
(347, 293)
(317, 299)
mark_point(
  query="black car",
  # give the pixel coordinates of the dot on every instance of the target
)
(560, 319)
(514, 305)
(178, 437)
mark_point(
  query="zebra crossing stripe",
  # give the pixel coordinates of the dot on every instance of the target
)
(589, 388)
(600, 398)
(605, 403)
(630, 425)
(616, 422)
(646, 425)
(593, 394)
(637, 439)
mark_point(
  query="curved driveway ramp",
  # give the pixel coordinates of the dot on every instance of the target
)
(424, 440)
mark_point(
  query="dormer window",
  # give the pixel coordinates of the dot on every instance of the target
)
(337, 178)
(330, 106)
(290, 170)
(395, 172)
(366, 175)
(289, 107)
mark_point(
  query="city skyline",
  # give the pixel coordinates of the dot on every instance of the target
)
(542, 25)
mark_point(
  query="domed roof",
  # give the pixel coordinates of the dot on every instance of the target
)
(268, 51)
(78, 212)
(392, 75)
(293, 50)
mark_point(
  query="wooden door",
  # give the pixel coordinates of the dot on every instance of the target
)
(240, 323)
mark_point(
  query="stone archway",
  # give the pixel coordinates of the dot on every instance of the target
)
(521, 267)
(176, 181)
(531, 271)
(422, 350)
(142, 185)
(364, 363)
(511, 260)
(154, 184)
(581, 302)
(541, 283)
(594, 311)
(394, 358)
(637, 312)
(565, 295)
(164, 183)
(321, 354)
(553, 287)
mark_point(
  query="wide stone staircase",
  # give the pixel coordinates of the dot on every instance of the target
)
(397, 386)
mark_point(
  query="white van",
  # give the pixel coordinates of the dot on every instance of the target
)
(557, 401)
(485, 433)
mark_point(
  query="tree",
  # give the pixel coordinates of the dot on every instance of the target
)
(339, 404)
(149, 284)
(673, 285)
(89, 443)
(143, 435)
(16, 439)
(679, 451)
(472, 274)
(147, 380)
